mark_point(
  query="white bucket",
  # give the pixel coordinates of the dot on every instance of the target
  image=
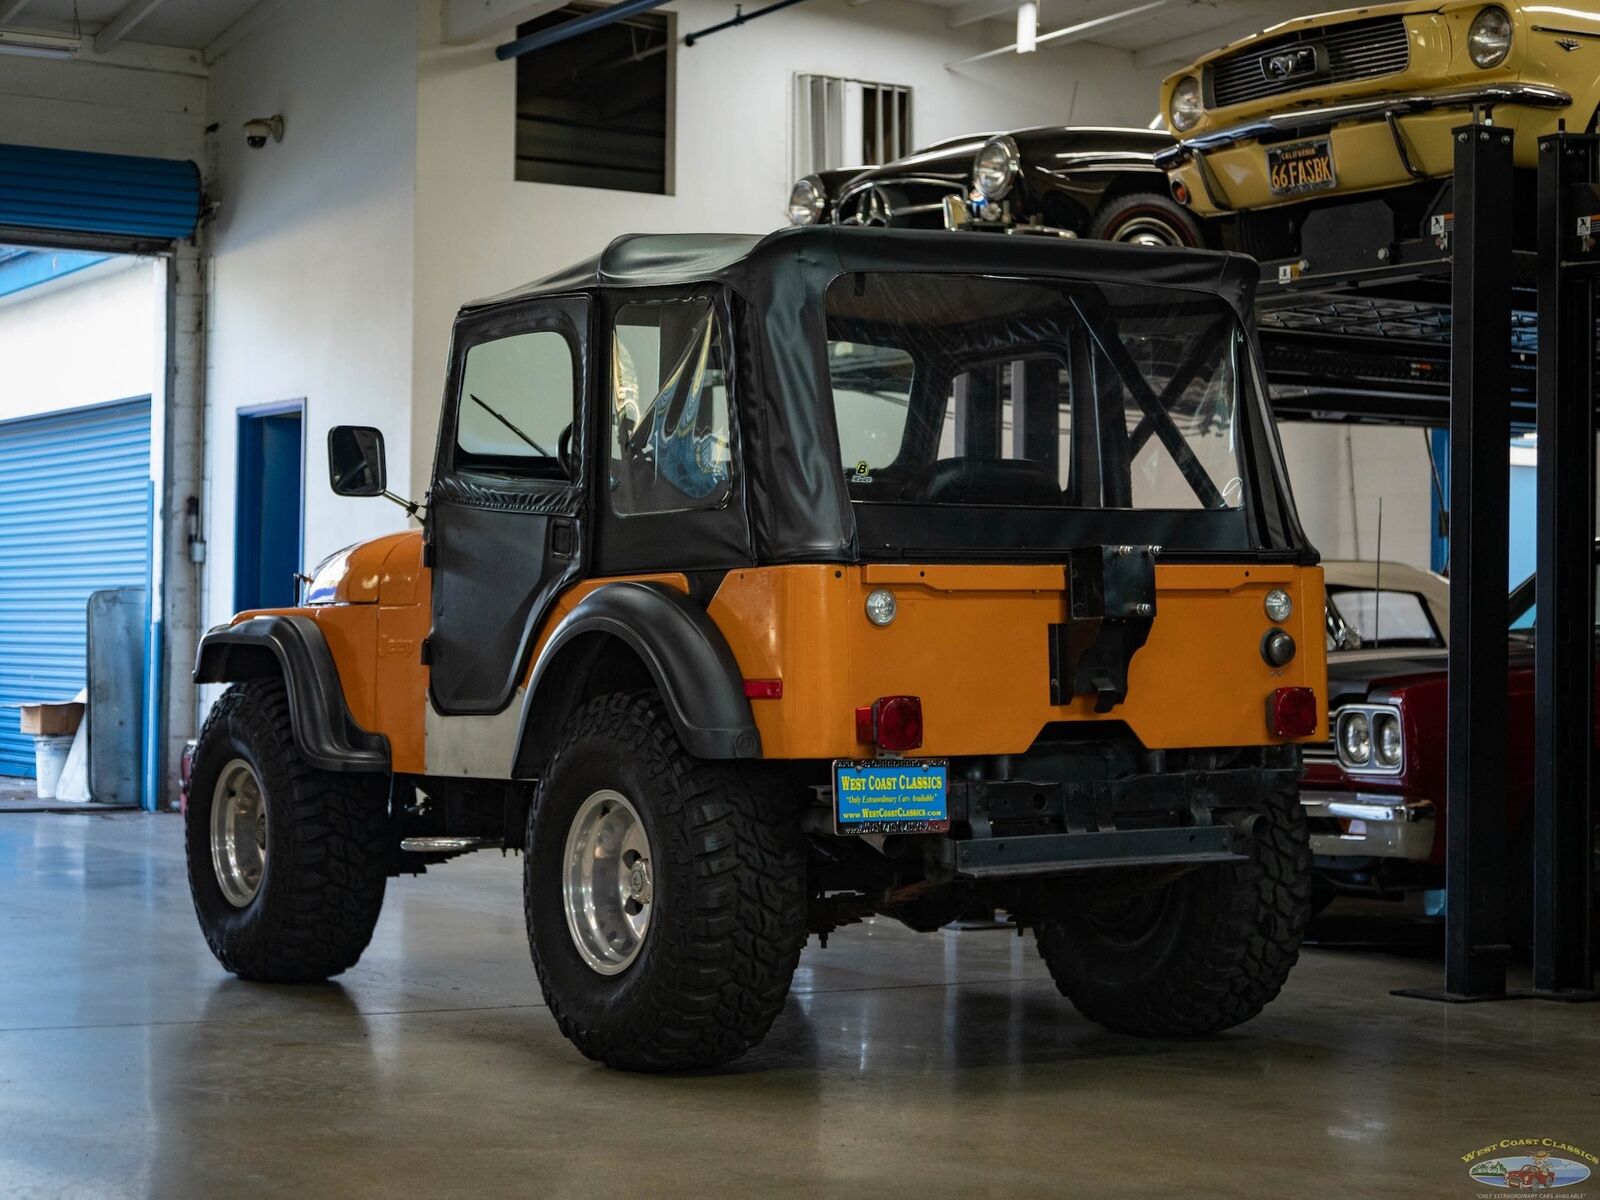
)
(49, 756)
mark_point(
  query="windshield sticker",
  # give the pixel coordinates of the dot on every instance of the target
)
(863, 473)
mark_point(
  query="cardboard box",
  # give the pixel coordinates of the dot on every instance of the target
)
(51, 720)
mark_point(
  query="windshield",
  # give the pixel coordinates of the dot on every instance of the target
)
(1387, 619)
(961, 391)
(1525, 611)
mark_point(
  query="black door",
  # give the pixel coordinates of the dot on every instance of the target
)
(504, 522)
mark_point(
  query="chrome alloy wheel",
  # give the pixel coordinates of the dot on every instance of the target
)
(238, 833)
(1149, 231)
(607, 885)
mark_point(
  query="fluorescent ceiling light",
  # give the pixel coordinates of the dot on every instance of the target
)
(1028, 26)
(38, 45)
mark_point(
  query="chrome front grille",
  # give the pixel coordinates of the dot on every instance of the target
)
(1340, 53)
(1321, 752)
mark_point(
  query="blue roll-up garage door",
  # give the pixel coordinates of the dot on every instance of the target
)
(74, 518)
(116, 195)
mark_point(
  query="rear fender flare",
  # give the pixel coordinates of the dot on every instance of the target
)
(679, 646)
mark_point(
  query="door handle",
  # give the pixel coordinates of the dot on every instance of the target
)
(563, 539)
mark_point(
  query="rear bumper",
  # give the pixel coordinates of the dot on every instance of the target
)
(1369, 825)
(1385, 142)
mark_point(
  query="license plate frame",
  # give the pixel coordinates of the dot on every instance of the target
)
(921, 801)
(1301, 168)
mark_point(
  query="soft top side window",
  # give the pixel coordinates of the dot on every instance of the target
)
(671, 438)
(516, 407)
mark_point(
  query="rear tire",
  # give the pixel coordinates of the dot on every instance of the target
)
(1201, 954)
(1145, 219)
(296, 896)
(675, 946)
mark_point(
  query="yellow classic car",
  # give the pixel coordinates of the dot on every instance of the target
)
(1364, 99)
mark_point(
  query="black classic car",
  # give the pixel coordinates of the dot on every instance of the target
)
(1078, 182)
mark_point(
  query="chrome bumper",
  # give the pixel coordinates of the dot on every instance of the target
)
(1379, 826)
(1304, 122)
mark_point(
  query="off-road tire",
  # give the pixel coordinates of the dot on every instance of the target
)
(1215, 952)
(327, 847)
(728, 921)
(1117, 213)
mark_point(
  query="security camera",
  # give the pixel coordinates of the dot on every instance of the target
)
(257, 132)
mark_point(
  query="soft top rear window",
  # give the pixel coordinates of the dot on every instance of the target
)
(953, 390)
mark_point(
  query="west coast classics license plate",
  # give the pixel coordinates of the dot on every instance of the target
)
(1301, 167)
(891, 795)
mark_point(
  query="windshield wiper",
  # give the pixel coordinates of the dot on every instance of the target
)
(498, 417)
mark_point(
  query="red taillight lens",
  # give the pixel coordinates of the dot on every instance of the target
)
(866, 725)
(898, 722)
(1292, 712)
(763, 689)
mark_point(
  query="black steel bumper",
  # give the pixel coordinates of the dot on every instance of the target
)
(1305, 122)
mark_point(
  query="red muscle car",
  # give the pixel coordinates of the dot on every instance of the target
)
(1375, 794)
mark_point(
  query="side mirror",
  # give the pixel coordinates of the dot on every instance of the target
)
(355, 461)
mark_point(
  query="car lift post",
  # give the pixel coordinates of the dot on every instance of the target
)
(1569, 199)
(1480, 430)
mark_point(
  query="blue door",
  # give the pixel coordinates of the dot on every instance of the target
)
(267, 521)
(74, 518)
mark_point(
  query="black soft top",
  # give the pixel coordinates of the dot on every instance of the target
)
(805, 259)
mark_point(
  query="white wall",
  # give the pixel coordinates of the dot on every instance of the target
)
(1340, 510)
(89, 339)
(311, 277)
(106, 109)
(480, 231)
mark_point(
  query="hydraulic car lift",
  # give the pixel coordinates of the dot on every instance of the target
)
(1458, 327)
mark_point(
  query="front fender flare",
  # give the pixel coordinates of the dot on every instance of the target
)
(295, 648)
(680, 647)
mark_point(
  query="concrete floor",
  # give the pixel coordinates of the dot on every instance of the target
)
(904, 1065)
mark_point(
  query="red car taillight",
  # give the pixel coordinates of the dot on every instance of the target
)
(891, 723)
(1292, 712)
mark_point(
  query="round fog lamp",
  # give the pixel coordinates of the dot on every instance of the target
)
(1277, 648)
(1279, 605)
(880, 606)
(1489, 38)
(1389, 747)
(1355, 740)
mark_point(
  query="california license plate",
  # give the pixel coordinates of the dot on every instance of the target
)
(1301, 167)
(891, 795)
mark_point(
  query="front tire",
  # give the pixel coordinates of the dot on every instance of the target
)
(664, 896)
(287, 863)
(1145, 219)
(1200, 954)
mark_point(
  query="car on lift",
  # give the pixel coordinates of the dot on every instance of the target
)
(1329, 137)
(1058, 180)
(715, 525)
(1374, 795)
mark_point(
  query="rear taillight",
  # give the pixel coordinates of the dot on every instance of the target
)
(1292, 712)
(892, 723)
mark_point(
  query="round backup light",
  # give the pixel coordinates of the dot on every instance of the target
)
(1185, 108)
(1489, 38)
(995, 168)
(1278, 605)
(1277, 648)
(880, 606)
(1386, 730)
(807, 202)
(1355, 740)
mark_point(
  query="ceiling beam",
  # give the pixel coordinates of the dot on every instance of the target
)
(1082, 31)
(122, 24)
(10, 10)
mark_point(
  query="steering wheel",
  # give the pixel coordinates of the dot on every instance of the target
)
(564, 451)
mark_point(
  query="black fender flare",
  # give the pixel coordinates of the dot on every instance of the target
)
(680, 647)
(293, 647)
